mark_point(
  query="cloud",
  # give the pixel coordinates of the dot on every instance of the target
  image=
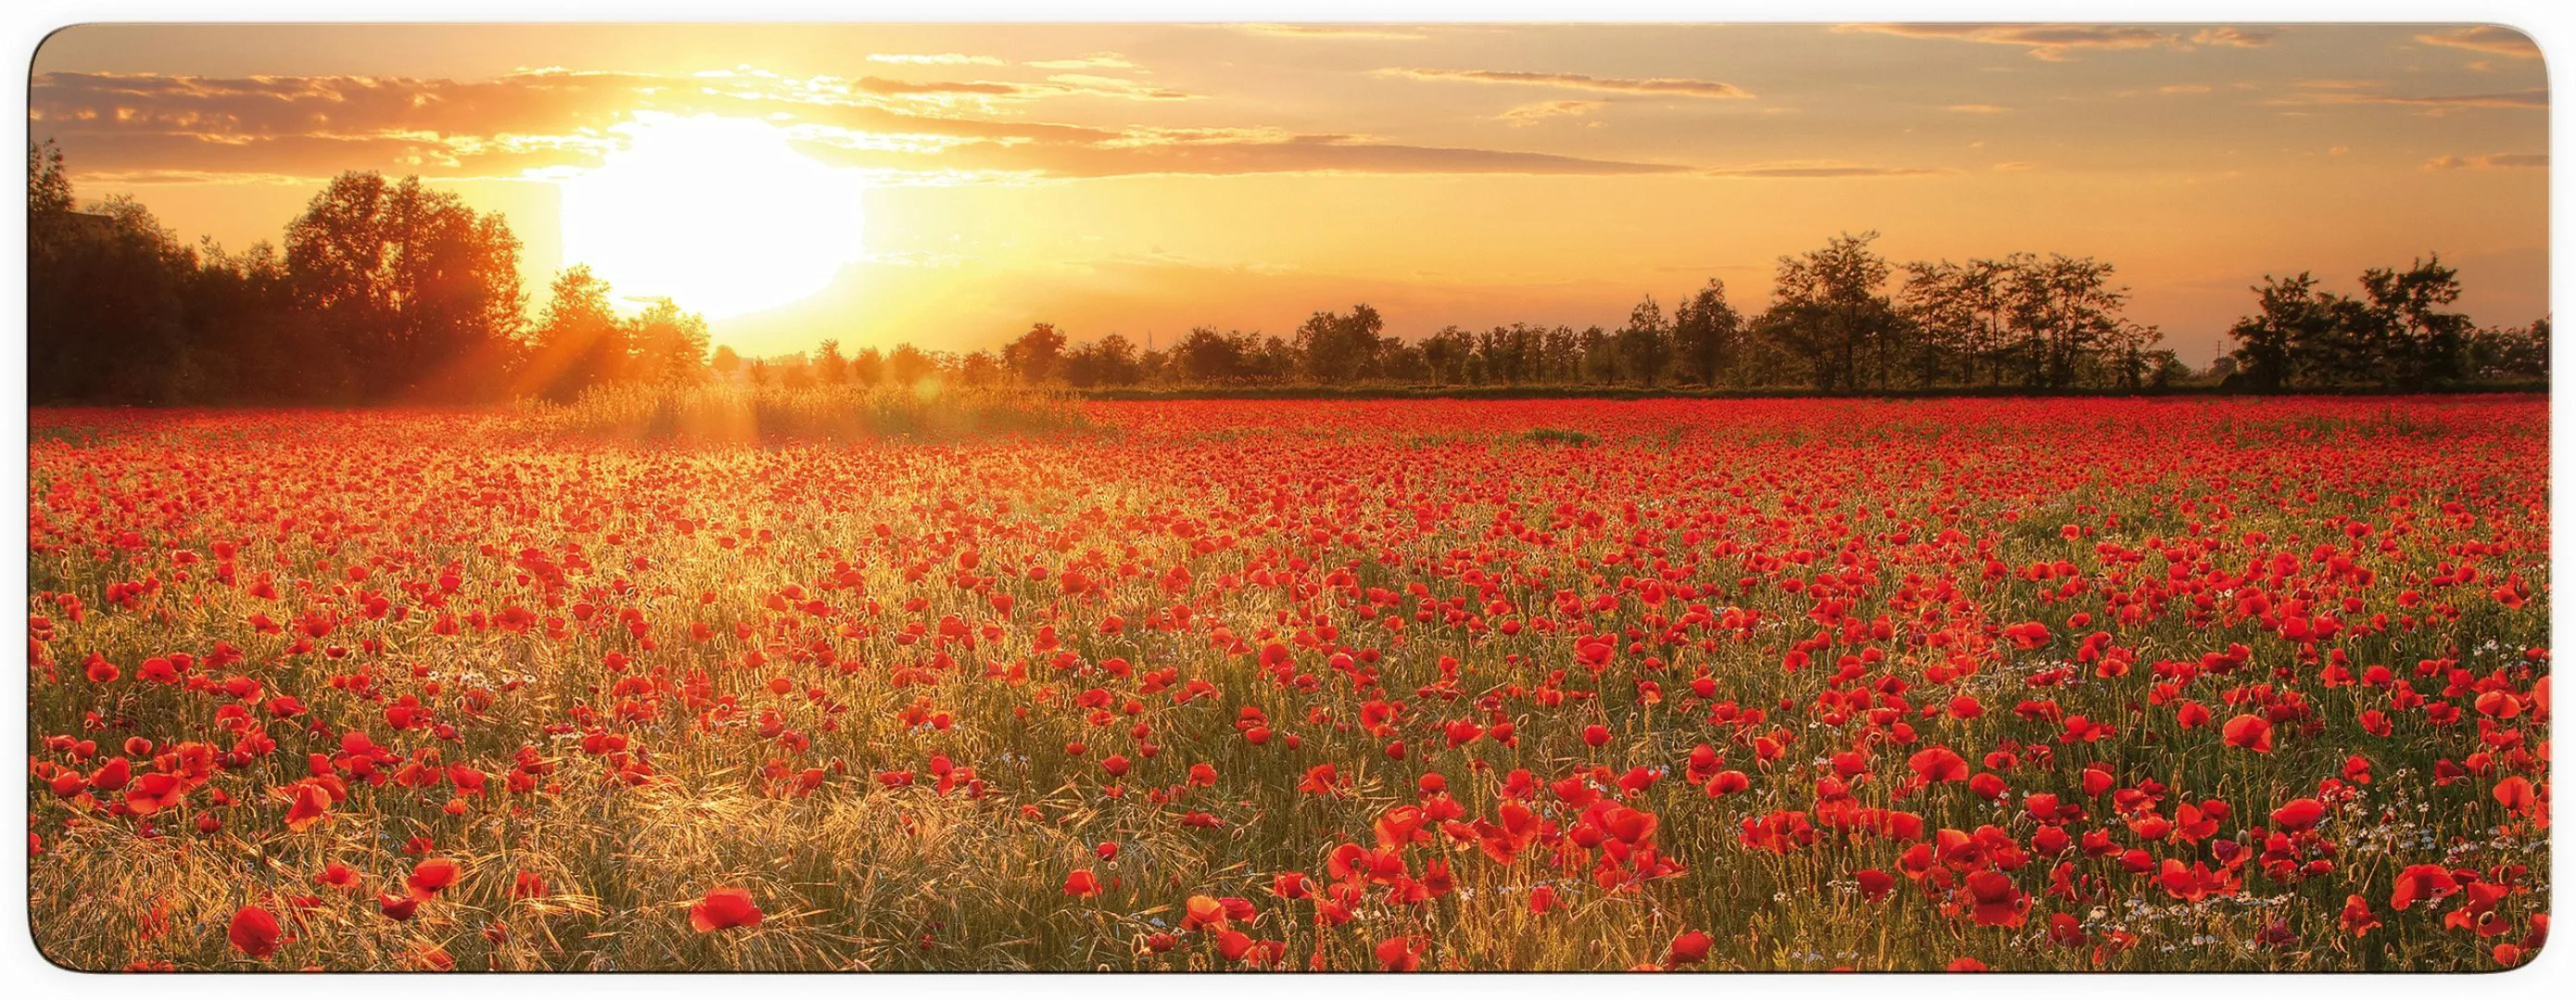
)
(933, 59)
(1089, 60)
(1578, 81)
(144, 125)
(1110, 86)
(2491, 38)
(1358, 32)
(1227, 154)
(2491, 161)
(1809, 170)
(2234, 37)
(2051, 42)
(2536, 99)
(1977, 109)
(2184, 88)
(1532, 114)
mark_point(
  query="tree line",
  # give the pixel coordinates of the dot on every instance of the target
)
(1843, 318)
(384, 291)
(388, 291)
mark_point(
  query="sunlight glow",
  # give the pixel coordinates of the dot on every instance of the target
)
(719, 214)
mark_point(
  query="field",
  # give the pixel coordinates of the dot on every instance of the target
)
(1776, 684)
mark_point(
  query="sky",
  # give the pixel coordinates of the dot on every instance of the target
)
(948, 185)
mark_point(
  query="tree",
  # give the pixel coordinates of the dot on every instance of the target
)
(106, 313)
(1206, 356)
(727, 362)
(1446, 354)
(868, 367)
(829, 365)
(1339, 349)
(422, 291)
(908, 365)
(1036, 355)
(670, 345)
(982, 368)
(579, 342)
(1706, 334)
(1826, 309)
(2418, 343)
(1111, 360)
(1644, 345)
(2290, 315)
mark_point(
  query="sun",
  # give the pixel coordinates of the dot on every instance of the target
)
(720, 215)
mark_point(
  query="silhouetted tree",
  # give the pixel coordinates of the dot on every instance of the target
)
(1826, 309)
(670, 344)
(829, 365)
(1036, 355)
(908, 365)
(1338, 349)
(579, 342)
(1707, 334)
(422, 291)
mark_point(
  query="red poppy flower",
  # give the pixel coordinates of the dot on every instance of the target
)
(2298, 815)
(723, 908)
(254, 932)
(1689, 948)
(432, 875)
(1081, 884)
(1399, 954)
(1996, 901)
(154, 792)
(2251, 732)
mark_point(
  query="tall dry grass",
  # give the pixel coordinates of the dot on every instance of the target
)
(931, 409)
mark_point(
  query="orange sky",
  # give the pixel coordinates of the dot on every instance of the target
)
(1148, 178)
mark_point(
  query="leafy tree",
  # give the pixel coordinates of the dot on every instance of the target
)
(1036, 355)
(579, 342)
(1206, 356)
(106, 312)
(2287, 316)
(2418, 344)
(670, 344)
(423, 292)
(1111, 360)
(1707, 334)
(830, 365)
(908, 365)
(1446, 354)
(868, 367)
(1644, 345)
(1339, 349)
(1826, 308)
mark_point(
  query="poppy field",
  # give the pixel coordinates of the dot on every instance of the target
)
(2028, 685)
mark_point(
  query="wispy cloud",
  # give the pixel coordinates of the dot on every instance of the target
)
(1577, 81)
(1532, 114)
(2052, 42)
(1091, 60)
(1818, 170)
(932, 59)
(1977, 109)
(143, 125)
(1360, 32)
(2231, 37)
(2532, 100)
(2491, 161)
(1111, 86)
(2491, 38)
